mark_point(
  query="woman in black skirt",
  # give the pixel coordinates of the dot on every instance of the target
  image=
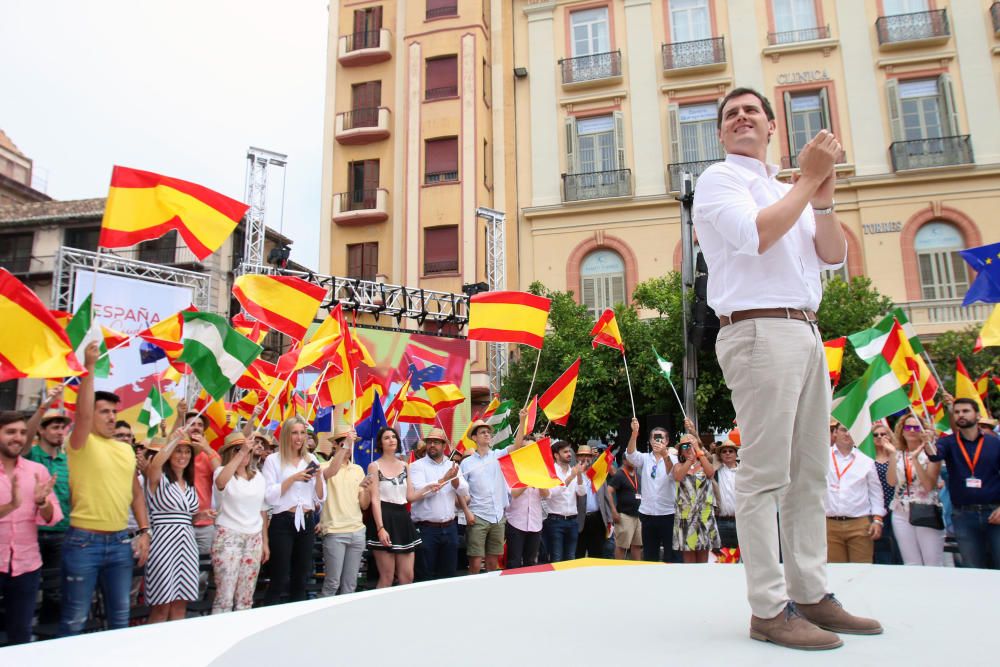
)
(391, 534)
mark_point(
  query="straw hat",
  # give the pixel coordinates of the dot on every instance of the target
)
(585, 450)
(476, 425)
(53, 415)
(234, 439)
(437, 434)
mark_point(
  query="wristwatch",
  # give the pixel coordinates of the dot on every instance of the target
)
(825, 211)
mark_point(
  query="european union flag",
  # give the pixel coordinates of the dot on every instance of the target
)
(364, 451)
(150, 353)
(432, 373)
(984, 260)
(324, 420)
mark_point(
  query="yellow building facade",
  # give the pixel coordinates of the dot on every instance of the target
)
(577, 117)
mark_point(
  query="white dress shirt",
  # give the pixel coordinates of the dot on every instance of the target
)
(726, 477)
(857, 492)
(657, 491)
(301, 496)
(562, 499)
(437, 507)
(726, 202)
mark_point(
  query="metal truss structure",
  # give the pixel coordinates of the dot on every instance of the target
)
(70, 260)
(496, 278)
(258, 161)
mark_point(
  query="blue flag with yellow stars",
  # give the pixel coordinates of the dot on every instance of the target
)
(984, 260)
(364, 450)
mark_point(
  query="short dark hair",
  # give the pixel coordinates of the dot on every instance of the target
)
(971, 402)
(10, 417)
(378, 438)
(107, 396)
(121, 423)
(559, 445)
(659, 429)
(200, 415)
(737, 92)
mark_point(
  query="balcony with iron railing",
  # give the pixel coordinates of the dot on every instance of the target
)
(362, 126)
(940, 315)
(364, 47)
(435, 177)
(442, 11)
(792, 161)
(916, 29)
(927, 153)
(675, 171)
(699, 55)
(597, 185)
(796, 36)
(361, 207)
(593, 69)
(995, 15)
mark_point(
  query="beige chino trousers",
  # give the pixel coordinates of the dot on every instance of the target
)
(776, 369)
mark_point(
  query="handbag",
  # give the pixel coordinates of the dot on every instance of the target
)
(923, 515)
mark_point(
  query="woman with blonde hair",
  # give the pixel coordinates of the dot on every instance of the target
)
(916, 508)
(172, 568)
(240, 545)
(294, 490)
(695, 529)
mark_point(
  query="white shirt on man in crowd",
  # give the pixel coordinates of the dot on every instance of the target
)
(852, 486)
(436, 507)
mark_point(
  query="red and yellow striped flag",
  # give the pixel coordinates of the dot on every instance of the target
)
(966, 388)
(32, 344)
(557, 400)
(599, 470)
(398, 402)
(284, 303)
(143, 206)
(983, 387)
(835, 357)
(443, 395)
(217, 420)
(508, 317)
(167, 335)
(605, 332)
(417, 410)
(531, 466)
(254, 330)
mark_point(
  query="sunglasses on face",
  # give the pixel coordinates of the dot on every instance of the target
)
(911, 427)
(685, 447)
(881, 435)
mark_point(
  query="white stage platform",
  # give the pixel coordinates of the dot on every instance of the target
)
(629, 614)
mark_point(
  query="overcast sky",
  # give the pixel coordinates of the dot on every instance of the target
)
(179, 87)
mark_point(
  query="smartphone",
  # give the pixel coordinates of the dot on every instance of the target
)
(312, 467)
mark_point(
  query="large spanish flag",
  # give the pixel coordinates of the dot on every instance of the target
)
(285, 303)
(320, 351)
(143, 206)
(966, 388)
(557, 400)
(32, 344)
(417, 410)
(835, 357)
(599, 470)
(605, 332)
(531, 466)
(508, 317)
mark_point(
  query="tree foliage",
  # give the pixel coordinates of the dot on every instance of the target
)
(849, 307)
(959, 344)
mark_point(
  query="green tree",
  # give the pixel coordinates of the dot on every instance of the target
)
(950, 345)
(849, 307)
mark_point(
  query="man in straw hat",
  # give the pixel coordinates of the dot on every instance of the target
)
(434, 514)
(725, 489)
(341, 525)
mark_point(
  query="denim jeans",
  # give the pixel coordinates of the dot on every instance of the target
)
(560, 537)
(342, 561)
(978, 539)
(50, 543)
(90, 559)
(437, 555)
(19, 594)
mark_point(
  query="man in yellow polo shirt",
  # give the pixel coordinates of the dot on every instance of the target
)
(103, 483)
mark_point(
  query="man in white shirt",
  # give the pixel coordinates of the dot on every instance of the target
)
(657, 496)
(725, 495)
(854, 503)
(434, 514)
(765, 243)
(560, 530)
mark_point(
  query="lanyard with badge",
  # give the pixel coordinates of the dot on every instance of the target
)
(840, 475)
(972, 482)
(634, 481)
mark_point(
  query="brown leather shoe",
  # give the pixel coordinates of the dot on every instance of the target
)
(829, 614)
(791, 630)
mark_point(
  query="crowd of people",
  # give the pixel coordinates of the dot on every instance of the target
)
(82, 496)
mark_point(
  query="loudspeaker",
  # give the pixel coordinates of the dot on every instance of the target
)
(704, 324)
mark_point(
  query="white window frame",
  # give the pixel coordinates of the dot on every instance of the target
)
(589, 21)
(799, 19)
(949, 276)
(602, 285)
(683, 13)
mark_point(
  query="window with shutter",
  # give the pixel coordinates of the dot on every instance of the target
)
(365, 101)
(362, 261)
(942, 271)
(362, 184)
(806, 113)
(441, 160)
(441, 249)
(441, 78)
(602, 281)
(15, 251)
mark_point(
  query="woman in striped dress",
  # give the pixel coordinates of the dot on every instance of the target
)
(172, 568)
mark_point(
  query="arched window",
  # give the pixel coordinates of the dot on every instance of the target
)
(602, 281)
(943, 274)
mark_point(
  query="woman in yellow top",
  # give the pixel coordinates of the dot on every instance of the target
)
(695, 528)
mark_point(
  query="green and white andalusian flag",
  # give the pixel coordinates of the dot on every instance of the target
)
(82, 329)
(154, 411)
(874, 395)
(869, 343)
(665, 366)
(503, 429)
(216, 352)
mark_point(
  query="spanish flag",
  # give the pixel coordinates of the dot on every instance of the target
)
(364, 399)
(417, 410)
(599, 470)
(605, 332)
(467, 444)
(983, 387)
(32, 344)
(966, 388)
(529, 419)
(443, 395)
(167, 334)
(216, 417)
(143, 206)
(320, 351)
(531, 466)
(557, 400)
(835, 357)
(989, 335)
(253, 330)
(508, 317)
(260, 375)
(398, 402)
(284, 303)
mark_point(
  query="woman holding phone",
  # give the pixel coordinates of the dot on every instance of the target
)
(294, 490)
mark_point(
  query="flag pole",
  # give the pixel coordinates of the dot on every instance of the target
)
(531, 386)
(629, 381)
(930, 364)
(677, 396)
(121, 344)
